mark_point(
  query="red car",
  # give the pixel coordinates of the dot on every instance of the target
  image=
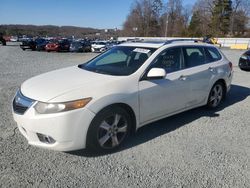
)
(58, 46)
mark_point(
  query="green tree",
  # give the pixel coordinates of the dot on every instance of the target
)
(221, 16)
(240, 24)
(194, 28)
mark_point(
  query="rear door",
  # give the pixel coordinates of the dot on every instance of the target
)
(202, 69)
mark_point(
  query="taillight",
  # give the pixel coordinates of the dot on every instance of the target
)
(230, 65)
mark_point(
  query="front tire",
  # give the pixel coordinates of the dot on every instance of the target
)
(109, 129)
(216, 95)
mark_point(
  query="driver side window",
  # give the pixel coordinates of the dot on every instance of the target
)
(170, 60)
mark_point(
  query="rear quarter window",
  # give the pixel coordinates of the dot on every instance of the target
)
(212, 54)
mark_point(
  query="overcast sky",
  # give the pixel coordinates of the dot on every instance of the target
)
(84, 13)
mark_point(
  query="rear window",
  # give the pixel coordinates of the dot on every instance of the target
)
(212, 54)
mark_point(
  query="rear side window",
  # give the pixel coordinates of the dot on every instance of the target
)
(212, 55)
(194, 56)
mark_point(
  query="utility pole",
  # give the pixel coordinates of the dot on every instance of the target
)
(135, 30)
(166, 29)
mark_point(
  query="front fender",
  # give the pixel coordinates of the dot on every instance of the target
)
(129, 99)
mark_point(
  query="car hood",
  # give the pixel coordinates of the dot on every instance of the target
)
(247, 53)
(48, 86)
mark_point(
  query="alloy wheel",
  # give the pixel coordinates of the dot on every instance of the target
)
(112, 131)
(216, 95)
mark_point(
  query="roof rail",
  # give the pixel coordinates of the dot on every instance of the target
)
(182, 40)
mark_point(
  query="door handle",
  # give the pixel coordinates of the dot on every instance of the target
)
(211, 69)
(183, 77)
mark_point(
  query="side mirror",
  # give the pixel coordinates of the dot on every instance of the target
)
(156, 73)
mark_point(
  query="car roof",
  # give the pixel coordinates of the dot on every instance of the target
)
(158, 44)
(143, 44)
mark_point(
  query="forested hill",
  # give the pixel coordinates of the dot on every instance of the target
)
(48, 30)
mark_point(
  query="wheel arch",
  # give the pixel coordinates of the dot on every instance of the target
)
(223, 82)
(128, 109)
(130, 112)
(89, 141)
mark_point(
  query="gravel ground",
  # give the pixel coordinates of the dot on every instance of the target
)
(198, 148)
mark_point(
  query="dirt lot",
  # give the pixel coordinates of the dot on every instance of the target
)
(198, 148)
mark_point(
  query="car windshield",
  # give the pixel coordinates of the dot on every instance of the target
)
(120, 60)
(100, 43)
(63, 41)
(39, 41)
(53, 41)
(76, 43)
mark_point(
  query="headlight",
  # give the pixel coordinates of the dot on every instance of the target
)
(49, 108)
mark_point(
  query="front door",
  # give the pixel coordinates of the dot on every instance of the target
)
(161, 97)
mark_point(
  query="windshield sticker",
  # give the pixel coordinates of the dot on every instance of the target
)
(141, 50)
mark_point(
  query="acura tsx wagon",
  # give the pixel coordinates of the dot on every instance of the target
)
(98, 104)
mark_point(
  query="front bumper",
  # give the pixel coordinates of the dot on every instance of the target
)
(99, 50)
(52, 48)
(68, 129)
(25, 47)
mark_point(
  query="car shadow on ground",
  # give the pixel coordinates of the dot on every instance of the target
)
(164, 126)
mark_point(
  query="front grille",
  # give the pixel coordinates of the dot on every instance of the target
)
(97, 49)
(21, 103)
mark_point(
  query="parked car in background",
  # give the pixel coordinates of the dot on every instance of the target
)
(80, 46)
(244, 62)
(24, 38)
(111, 44)
(211, 40)
(99, 46)
(28, 44)
(7, 38)
(40, 44)
(2, 40)
(13, 39)
(98, 104)
(58, 45)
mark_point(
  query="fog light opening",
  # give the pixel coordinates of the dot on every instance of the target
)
(45, 138)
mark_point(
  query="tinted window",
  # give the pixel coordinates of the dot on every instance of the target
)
(76, 44)
(99, 43)
(64, 42)
(247, 52)
(117, 57)
(194, 56)
(170, 60)
(52, 41)
(212, 54)
(39, 41)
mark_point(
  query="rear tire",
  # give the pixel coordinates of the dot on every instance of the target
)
(216, 95)
(108, 130)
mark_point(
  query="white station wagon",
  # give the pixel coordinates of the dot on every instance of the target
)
(96, 105)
